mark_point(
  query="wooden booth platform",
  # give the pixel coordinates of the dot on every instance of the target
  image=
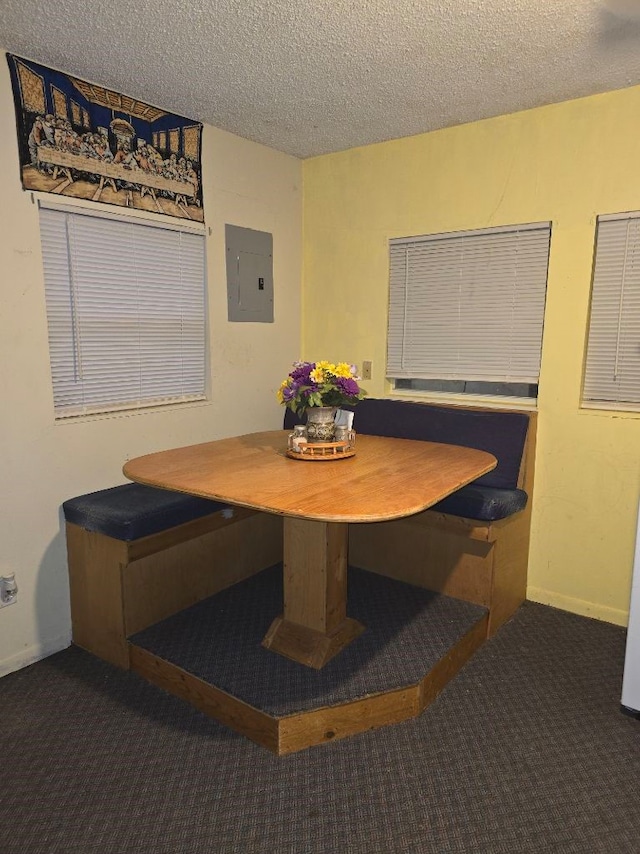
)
(211, 655)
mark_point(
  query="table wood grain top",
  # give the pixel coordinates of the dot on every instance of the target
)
(386, 479)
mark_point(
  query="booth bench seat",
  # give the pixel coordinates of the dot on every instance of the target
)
(137, 554)
(474, 544)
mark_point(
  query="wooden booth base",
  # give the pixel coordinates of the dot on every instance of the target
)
(211, 656)
(291, 733)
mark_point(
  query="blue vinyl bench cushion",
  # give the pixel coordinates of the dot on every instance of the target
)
(132, 510)
(485, 503)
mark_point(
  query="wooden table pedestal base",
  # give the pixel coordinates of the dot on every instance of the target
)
(308, 646)
(314, 626)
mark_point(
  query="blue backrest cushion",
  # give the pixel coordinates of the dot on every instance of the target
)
(502, 434)
(131, 511)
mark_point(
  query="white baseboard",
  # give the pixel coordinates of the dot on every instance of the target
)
(34, 653)
(578, 606)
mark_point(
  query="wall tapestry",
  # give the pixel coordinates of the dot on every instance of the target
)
(78, 139)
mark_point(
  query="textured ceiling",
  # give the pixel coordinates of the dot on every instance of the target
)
(313, 76)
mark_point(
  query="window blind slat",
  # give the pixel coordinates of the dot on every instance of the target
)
(126, 312)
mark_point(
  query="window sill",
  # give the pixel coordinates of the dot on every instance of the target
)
(622, 409)
(128, 413)
(521, 403)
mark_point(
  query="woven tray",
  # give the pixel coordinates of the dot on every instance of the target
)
(322, 451)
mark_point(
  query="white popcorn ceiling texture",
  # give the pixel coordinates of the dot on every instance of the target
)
(309, 77)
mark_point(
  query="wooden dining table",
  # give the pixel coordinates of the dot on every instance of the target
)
(318, 499)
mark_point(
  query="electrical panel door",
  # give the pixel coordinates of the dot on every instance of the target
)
(249, 274)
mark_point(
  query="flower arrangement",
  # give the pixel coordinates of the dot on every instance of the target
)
(320, 384)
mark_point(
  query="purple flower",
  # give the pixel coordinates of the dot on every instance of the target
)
(301, 371)
(348, 386)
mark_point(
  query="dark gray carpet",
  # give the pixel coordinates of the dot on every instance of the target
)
(525, 751)
(408, 630)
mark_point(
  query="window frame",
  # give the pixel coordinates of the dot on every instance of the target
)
(602, 297)
(449, 261)
(140, 403)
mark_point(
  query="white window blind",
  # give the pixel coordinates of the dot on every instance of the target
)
(468, 305)
(126, 312)
(612, 372)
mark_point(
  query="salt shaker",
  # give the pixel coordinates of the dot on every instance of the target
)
(299, 435)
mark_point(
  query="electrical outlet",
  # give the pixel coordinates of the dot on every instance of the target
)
(366, 370)
(8, 590)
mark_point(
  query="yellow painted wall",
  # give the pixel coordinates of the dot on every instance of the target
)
(43, 463)
(565, 163)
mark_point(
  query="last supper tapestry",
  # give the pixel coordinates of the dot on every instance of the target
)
(82, 140)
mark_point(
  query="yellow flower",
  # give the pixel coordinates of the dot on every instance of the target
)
(342, 370)
(319, 373)
(279, 393)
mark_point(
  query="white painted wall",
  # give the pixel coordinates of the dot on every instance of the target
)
(43, 463)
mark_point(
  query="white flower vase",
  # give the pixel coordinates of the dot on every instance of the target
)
(320, 423)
